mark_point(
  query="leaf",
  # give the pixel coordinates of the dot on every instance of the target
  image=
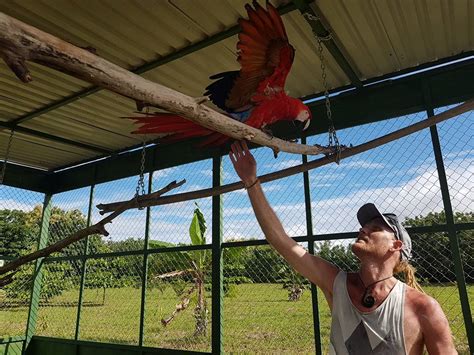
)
(195, 231)
(198, 227)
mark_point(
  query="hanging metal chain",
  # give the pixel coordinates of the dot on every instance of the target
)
(333, 140)
(140, 190)
(7, 154)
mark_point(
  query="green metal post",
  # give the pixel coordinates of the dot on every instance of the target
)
(145, 264)
(453, 237)
(38, 274)
(217, 263)
(309, 232)
(84, 265)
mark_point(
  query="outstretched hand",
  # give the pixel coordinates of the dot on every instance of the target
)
(244, 162)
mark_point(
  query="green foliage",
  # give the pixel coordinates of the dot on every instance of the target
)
(198, 227)
(19, 290)
(17, 232)
(340, 255)
(55, 276)
(197, 230)
(432, 253)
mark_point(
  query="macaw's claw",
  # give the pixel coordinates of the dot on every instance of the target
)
(201, 99)
(275, 152)
(267, 131)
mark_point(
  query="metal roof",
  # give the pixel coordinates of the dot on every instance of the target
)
(61, 120)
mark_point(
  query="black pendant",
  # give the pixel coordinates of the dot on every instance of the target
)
(368, 300)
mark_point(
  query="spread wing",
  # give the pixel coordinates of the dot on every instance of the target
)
(265, 57)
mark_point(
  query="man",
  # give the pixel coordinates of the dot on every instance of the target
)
(372, 312)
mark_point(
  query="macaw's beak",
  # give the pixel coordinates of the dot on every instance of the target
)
(306, 125)
(301, 125)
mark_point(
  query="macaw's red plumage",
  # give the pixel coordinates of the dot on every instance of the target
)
(254, 94)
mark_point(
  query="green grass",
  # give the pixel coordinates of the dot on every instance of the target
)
(258, 319)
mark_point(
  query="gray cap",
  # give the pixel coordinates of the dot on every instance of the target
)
(369, 212)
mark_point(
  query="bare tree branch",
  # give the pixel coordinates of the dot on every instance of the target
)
(30, 43)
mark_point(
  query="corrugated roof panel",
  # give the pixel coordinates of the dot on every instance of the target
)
(386, 36)
(40, 153)
(377, 37)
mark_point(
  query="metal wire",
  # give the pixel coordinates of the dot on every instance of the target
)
(7, 155)
(333, 140)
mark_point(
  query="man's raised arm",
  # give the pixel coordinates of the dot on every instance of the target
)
(314, 268)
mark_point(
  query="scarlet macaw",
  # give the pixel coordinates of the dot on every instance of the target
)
(254, 95)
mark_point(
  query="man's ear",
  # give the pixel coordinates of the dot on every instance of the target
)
(397, 245)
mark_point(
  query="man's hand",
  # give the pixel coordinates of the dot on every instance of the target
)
(244, 162)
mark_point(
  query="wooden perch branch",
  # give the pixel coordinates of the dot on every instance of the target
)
(30, 43)
(97, 228)
(455, 111)
(109, 207)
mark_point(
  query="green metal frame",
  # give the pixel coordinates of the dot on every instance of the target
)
(453, 236)
(309, 232)
(141, 334)
(84, 265)
(217, 262)
(322, 32)
(38, 273)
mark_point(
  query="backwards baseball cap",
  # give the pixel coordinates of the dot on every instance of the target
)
(368, 212)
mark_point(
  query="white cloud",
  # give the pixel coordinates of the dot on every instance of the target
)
(363, 164)
(283, 164)
(12, 204)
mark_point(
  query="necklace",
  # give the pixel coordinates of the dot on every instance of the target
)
(368, 300)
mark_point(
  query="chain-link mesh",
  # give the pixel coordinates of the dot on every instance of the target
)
(264, 301)
(111, 301)
(57, 311)
(285, 195)
(457, 144)
(178, 301)
(19, 227)
(169, 224)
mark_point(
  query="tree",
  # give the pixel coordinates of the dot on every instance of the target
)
(432, 253)
(18, 233)
(340, 255)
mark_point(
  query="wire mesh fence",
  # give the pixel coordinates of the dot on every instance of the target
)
(266, 305)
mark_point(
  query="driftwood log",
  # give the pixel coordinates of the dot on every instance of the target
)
(165, 200)
(20, 42)
(98, 228)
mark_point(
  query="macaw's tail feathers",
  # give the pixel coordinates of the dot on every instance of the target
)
(178, 128)
(162, 123)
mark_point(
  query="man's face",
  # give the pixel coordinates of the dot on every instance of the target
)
(375, 239)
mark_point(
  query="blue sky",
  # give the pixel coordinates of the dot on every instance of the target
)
(399, 177)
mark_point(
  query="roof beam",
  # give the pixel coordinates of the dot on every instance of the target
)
(26, 178)
(50, 137)
(321, 31)
(144, 68)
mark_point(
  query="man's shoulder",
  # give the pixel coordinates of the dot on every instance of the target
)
(420, 302)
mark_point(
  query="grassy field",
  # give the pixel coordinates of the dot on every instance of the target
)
(258, 318)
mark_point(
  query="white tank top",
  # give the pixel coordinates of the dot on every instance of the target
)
(377, 332)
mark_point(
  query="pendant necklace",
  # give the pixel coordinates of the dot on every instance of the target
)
(367, 299)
